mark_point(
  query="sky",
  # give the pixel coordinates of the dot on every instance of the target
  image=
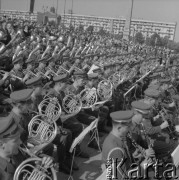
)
(155, 10)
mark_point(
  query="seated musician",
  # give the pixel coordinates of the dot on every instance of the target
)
(116, 145)
(162, 145)
(10, 156)
(100, 112)
(17, 83)
(69, 121)
(63, 140)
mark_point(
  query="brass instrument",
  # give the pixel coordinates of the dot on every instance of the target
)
(46, 51)
(71, 104)
(50, 71)
(42, 132)
(33, 51)
(88, 97)
(2, 72)
(51, 108)
(60, 70)
(104, 90)
(55, 50)
(31, 169)
(18, 49)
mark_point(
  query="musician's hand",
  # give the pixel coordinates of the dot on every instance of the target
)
(156, 117)
(164, 125)
(47, 162)
(137, 154)
(150, 152)
(5, 75)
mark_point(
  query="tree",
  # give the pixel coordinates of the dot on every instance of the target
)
(155, 40)
(165, 41)
(147, 41)
(102, 32)
(52, 10)
(90, 29)
(139, 38)
(81, 28)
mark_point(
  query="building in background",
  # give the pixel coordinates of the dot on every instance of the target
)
(117, 26)
(113, 25)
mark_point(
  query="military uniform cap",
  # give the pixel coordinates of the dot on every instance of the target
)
(9, 128)
(60, 78)
(141, 107)
(88, 56)
(175, 97)
(66, 58)
(21, 95)
(80, 73)
(154, 75)
(160, 69)
(34, 81)
(153, 93)
(154, 86)
(18, 60)
(122, 116)
(93, 75)
(77, 57)
(165, 80)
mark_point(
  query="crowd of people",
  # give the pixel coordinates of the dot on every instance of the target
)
(79, 76)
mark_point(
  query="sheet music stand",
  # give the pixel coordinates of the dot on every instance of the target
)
(78, 140)
(95, 134)
(175, 156)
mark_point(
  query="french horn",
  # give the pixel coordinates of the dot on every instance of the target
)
(31, 169)
(50, 107)
(71, 104)
(104, 90)
(41, 133)
(88, 97)
(42, 130)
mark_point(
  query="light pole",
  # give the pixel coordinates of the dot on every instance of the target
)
(71, 12)
(131, 17)
(57, 9)
(64, 12)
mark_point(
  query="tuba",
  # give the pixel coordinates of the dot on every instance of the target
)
(71, 104)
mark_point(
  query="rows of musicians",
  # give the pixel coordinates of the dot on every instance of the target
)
(55, 82)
